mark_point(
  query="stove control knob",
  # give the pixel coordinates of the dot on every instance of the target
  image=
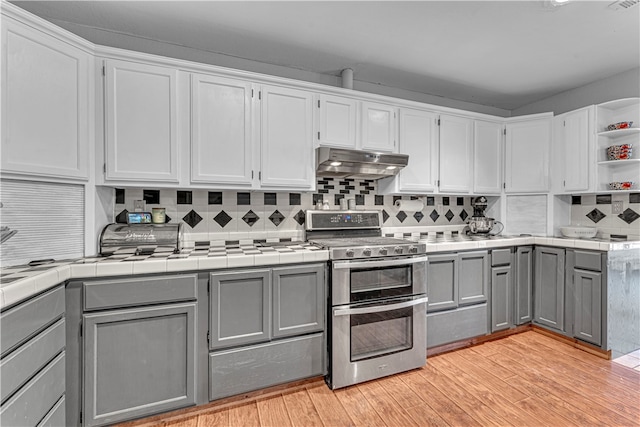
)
(413, 250)
(366, 252)
(382, 251)
(397, 249)
(349, 253)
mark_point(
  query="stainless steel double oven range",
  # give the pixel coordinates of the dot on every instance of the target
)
(377, 297)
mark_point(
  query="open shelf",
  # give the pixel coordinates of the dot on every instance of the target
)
(618, 162)
(619, 133)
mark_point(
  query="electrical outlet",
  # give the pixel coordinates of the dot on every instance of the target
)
(616, 207)
(138, 205)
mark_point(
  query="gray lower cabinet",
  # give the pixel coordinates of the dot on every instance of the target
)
(523, 285)
(240, 308)
(138, 361)
(501, 290)
(589, 302)
(266, 327)
(549, 287)
(457, 288)
(32, 367)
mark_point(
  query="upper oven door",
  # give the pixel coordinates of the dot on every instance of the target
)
(374, 279)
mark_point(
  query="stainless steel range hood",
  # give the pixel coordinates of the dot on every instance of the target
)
(345, 163)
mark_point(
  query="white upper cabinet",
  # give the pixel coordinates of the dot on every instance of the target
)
(574, 147)
(527, 155)
(456, 154)
(487, 159)
(286, 131)
(378, 127)
(221, 140)
(337, 121)
(46, 104)
(141, 135)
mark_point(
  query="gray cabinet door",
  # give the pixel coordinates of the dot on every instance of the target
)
(473, 281)
(442, 282)
(588, 306)
(501, 283)
(138, 362)
(240, 310)
(549, 287)
(298, 300)
(524, 285)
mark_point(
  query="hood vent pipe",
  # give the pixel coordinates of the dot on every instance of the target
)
(347, 78)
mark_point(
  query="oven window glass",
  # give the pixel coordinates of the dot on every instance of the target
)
(379, 334)
(381, 282)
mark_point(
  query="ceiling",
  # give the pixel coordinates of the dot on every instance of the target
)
(504, 54)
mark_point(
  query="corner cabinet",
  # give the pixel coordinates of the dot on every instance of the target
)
(622, 110)
(141, 119)
(456, 154)
(573, 159)
(527, 146)
(286, 132)
(222, 146)
(47, 103)
(418, 138)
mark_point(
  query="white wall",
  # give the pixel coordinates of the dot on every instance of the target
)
(134, 43)
(623, 85)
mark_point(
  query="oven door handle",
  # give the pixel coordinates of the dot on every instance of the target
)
(379, 308)
(379, 263)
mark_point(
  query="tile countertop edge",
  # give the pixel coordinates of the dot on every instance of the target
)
(20, 290)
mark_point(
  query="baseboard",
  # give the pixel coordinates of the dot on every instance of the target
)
(574, 342)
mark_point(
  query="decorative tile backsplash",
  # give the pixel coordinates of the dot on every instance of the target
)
(597, 211)
(282, 214)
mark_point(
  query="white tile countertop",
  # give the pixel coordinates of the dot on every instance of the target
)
(20, 282)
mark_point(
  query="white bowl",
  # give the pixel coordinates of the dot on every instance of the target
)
(579, 232)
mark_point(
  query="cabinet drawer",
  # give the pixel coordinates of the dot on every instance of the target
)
(22, 321)
(237, 371)
(500, 257)
(56, 416)
(588, 260)
(455, 325)
(135, 291)
(32, 403)
(23, 363)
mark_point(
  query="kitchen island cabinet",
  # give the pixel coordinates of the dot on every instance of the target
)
(32, 364)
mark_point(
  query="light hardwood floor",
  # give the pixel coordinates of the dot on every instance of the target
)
(527, 379)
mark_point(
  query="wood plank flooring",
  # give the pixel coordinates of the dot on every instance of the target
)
(527, 379)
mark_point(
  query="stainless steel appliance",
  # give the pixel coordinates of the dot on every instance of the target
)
(345, 163)
(479, 223)
(377, 314)
(140, 239)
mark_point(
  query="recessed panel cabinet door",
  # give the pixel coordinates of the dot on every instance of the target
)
(549, 287)
(221, 144)
(456, 154)
(138, 362)
(524, 285)
(240, 308)
(442, 282)
(287, 138)
(473, 282)
(574, 145)
(45, 104)
(378, 127)
(501, 282)
(487, 149)
(419, 139)
(337, 121)
(588, 306)
(527, 156)
(141, 122)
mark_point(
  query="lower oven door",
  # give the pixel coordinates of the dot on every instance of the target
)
(374, 340)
